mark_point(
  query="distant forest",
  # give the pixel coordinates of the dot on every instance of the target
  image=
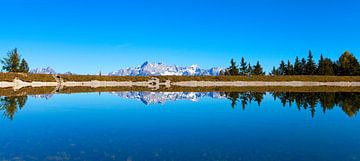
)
(346, 65)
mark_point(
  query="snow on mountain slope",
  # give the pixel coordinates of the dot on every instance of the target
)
(162, 97)
(158, 69)
(47, 70)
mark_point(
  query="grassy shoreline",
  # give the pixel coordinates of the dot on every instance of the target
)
(9, 77)
(70, 90)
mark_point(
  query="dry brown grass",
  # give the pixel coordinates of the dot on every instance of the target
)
(82, 78)
(214, 78)
(263, 78)
(69, 90)
(9, 77)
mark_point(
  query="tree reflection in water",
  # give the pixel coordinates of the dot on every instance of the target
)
(244, 98)
(10, 105)
(348, 102)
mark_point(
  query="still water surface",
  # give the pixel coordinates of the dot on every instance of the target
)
(136, 126)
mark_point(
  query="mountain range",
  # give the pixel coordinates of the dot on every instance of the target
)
(47, 70)
(149, 98)
(150, 69)
(159, 69)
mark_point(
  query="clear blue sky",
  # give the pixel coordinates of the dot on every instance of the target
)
(85, 36)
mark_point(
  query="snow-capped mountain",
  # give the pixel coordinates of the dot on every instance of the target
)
(162, 97)
(47, 70)
(157, 69)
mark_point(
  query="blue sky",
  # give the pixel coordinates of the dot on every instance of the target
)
(85, 36)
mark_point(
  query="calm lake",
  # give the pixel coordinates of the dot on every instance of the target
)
(137, 126)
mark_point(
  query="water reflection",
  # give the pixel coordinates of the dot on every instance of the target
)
(10, 105)
(149, 98)
(244, 98)
(348, 102)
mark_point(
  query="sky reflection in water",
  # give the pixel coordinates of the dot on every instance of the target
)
(181, 126)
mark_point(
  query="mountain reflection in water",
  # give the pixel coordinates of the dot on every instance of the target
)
(347, 101)
(162, 97)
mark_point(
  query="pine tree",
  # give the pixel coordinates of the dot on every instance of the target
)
(282, 68)
(24, 67)
(243, 67)
(11, 62)
(310, 68)
(249, 70)
(233, 69)
(274, 71)
(258, 69)
(303, 66)
(289, 69)
(327, 67)
(297, 67)
(335, 68)
(221, 73)
(320, 69)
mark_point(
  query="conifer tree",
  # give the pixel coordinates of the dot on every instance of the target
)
(249, 70)
(335, 68)
(282, 68)
(310, 68)
(289, 69)
(320, 69)
(11, 62)
(274, 71)
(243, 67)
(233, 69)
(327, 67)
(303, 66)
(221, 73)
(258, 69)
(24, 67)
(297, 67)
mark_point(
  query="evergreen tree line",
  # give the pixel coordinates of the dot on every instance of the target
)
(14, 63)
(346, 65)
(244, 69)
